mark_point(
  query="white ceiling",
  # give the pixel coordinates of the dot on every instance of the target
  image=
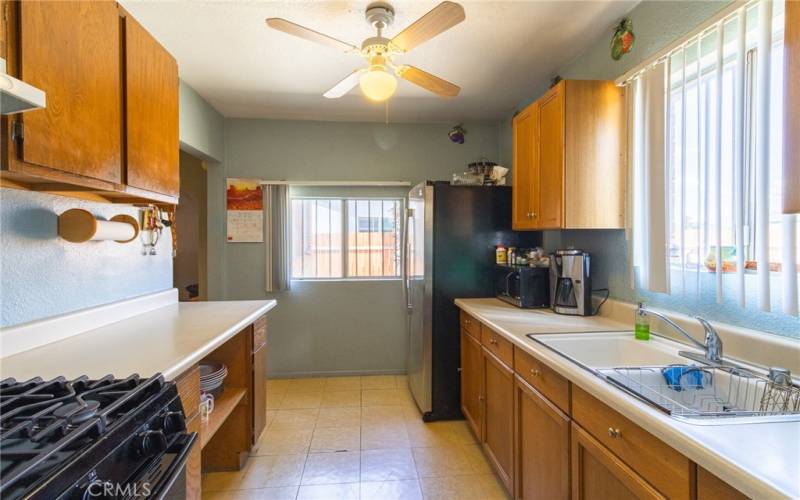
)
(500, 55)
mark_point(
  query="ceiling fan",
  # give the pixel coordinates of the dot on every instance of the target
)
(376, 81)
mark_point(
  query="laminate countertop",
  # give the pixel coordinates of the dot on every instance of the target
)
(165, 338)
(761, 460)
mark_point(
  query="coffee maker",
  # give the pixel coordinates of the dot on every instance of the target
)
(570, 282)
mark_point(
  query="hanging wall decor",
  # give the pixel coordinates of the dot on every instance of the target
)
(623, 39)
(457, 134)
(245, 206)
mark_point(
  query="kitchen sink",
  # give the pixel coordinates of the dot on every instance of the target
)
(612, 349)
(695, 393)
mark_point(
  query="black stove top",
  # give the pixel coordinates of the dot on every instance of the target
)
(56, 433)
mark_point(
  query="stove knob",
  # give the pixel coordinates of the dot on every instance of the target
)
(174, 421)
(151, 442)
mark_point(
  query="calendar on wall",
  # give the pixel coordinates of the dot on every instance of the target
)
(245, 206)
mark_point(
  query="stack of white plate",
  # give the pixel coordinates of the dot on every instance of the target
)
(212, 377)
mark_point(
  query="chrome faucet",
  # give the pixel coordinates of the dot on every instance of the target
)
(712, 349)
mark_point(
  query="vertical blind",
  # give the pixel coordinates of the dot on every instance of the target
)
(706, 155)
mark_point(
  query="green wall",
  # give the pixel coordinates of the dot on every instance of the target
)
(329, 327)
(656, 24)
(201, 126)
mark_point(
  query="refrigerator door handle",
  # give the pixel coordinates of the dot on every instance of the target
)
(406, 258)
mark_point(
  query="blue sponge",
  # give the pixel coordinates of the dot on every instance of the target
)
(682, 377)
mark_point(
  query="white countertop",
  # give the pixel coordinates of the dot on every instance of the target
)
(167, 340)
(761, 460)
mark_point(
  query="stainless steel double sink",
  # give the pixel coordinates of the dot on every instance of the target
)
(696, 393)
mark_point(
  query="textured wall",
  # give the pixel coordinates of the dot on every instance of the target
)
(329, 327)
(42, 275)
(201, 126)
(656, 24)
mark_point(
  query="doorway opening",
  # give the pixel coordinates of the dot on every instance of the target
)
(189, 273)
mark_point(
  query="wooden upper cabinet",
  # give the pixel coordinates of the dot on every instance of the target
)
(550, 191)
(595, 166)
(71, 50)
(471, 391)
(151, 86)
(526, 155)
(542, 448)
(791, 109)
(498, 417)
(577, 158)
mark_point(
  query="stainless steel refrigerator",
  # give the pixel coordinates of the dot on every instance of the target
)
(450, 237)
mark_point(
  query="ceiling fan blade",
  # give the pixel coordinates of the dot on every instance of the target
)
(344, 86)
(308, 34)
(440, 19)
(428, 81)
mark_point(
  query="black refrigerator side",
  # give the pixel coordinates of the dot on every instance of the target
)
(469, 222)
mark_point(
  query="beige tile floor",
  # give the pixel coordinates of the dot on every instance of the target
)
(356, 438)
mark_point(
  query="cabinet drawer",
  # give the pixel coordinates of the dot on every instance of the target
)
(662, 466)
(497, 345)
(188, 385)
(259, 333)
(543, 378)
(470, 324)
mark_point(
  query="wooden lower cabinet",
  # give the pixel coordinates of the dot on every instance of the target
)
(599, 474)
(710, 487)
(471, 394)
(541, 446)
(498, 417)
(548, 438)
(669, 471)
(259, 385)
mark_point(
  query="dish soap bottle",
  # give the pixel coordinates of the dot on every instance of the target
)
(641, 329)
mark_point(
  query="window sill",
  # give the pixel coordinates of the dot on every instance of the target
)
(348, 280)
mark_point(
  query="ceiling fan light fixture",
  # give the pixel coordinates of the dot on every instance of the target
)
(377, 84)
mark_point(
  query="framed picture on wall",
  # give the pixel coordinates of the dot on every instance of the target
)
(245, 207)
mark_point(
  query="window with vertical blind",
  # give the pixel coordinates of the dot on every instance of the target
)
(345, 238)
(706, 145)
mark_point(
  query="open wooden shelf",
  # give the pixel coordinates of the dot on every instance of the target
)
(223, 407)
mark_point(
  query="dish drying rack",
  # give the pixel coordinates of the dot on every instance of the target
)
(724, 392)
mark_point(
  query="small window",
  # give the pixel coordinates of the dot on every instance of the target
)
(334, 238)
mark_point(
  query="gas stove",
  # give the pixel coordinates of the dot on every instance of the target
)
(82, 438)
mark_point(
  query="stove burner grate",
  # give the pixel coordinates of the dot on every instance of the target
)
(44, 423)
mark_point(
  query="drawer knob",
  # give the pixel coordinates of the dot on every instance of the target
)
(468, 322)
(534, 371)
(481, 398)
(493, 341)
(614, 433)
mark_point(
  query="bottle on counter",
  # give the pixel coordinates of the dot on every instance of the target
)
(512, 256)
(501, 254)
(641, 329)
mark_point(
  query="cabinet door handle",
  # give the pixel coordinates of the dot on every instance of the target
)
(534, 371)
(467, 322)
(481, 398)
(614, 433)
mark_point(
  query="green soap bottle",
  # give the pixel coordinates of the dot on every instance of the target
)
(641, 327)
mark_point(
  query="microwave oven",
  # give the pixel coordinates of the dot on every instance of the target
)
(523, 286)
